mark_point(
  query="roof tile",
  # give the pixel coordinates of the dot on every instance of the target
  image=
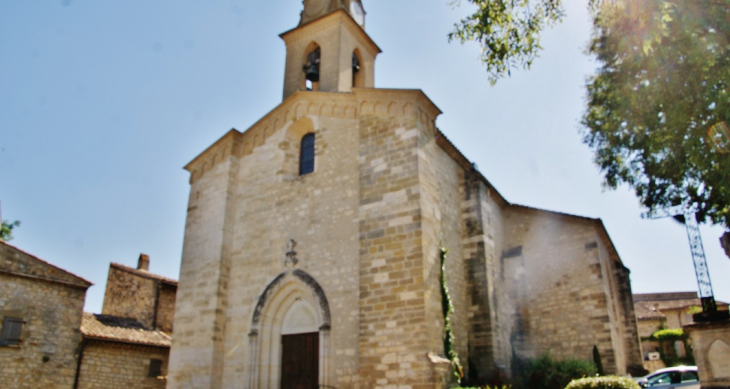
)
(121, 329)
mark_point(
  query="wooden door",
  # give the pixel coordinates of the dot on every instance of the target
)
(300, 361)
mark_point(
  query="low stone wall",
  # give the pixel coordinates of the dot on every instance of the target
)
(711, 343)
(117, 365)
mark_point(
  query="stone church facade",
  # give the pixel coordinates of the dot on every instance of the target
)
(311, 250)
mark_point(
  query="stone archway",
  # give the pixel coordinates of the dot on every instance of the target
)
(293, 303)
(719, 358)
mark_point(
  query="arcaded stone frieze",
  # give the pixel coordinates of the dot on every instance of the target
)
(328, 21)
(363, 101)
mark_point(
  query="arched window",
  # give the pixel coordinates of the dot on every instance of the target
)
(311, 67)
(306, 155)
(357, 76)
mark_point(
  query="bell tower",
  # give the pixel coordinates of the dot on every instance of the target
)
(329, 51)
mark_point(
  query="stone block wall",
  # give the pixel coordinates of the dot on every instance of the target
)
(562, 296)
(117, 365)
(166, 307)
(482, 235)
(394, 334)
(267, 205)
(629, 325)
(711, 346)
(318, 211)
(129, 295)
(197, 350)
(441, 192)
(46, 355)
(133, 294)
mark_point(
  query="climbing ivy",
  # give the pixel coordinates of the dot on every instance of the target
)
(448, 308)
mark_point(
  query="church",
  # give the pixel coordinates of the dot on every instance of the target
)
(312, 242)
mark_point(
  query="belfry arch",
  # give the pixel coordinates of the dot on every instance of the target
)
(292, 304)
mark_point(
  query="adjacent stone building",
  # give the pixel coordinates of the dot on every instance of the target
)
(711, 343)
(311, 250)
(40, 312)
(128, 345)
(122, 353)
(139, 294)
(656, 311)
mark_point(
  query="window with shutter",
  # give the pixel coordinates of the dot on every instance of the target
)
(306, 155)
(155, 368)
(12, 328)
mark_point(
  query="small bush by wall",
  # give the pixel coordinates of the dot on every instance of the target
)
(610, 382)
(547, 373)
(485, 387)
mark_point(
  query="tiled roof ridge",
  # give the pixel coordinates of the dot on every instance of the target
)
(664, 296)
(144, 273)
(93, 328)
(49, 264)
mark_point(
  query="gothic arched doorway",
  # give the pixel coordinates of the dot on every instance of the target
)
(289, 337)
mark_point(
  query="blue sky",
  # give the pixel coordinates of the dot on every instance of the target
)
(103, 102)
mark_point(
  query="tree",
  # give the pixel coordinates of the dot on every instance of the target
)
(508, 31)
(6, 230)
(658, 99)
(657, 108)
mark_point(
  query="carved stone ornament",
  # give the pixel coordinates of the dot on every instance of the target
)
(291, 255)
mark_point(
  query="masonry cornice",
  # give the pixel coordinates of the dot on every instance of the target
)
(597, 223)
(300, 104)
(362, 101)
(327, 21)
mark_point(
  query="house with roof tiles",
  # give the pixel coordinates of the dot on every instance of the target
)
(46, 340)
(128, 344)
(657, 311)
(41, 307)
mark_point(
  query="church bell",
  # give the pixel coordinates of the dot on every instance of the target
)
(311, 68)
(311, 72)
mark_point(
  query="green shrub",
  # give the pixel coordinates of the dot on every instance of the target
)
(484, 387)
(603, 383)
(548, 373)
(669, 334)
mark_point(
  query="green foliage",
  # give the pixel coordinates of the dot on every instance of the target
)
(661, 88)
(669, 335)
(597, 361)
(694, 309)
(658, 108)
(484, 387)
(6, 230)
(548, 373)
(610, 382)
(448, 308)
(508, 31)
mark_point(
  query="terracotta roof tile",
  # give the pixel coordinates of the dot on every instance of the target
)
(649, 306)
(121, 329)
(647, 311)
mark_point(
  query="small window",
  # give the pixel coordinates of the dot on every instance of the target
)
(12, 327)
(155, 368)
(306, 155)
